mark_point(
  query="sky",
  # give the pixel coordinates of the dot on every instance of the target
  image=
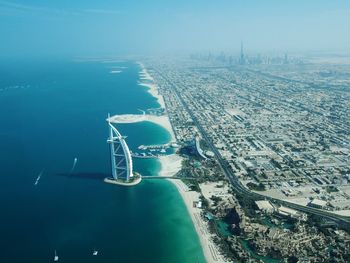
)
(126, 27)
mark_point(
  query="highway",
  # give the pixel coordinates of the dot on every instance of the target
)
(237, 185)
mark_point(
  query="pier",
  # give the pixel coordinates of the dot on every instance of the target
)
(146, 156)
(155, 146)
(167, 177)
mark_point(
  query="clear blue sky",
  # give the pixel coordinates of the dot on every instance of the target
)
(86, 27)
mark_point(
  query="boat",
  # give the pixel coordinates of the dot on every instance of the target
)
(95, 252)
(55, 259)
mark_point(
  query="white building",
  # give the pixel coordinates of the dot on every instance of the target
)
(318, 203)
(265, 206)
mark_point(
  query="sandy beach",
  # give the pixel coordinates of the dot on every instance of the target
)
(148, 82)
(162, 120)
(170, 165)
(153, 90)
(144, 73)
(211, 252)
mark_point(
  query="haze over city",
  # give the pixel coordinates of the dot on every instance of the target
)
(175, 131)
(88, 28)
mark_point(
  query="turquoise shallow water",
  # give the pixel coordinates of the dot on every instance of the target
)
(52, 112)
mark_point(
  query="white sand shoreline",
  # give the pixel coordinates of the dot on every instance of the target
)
(162, 120)
(210, 250)
(153, 90)
(148, 82)
(170, 166)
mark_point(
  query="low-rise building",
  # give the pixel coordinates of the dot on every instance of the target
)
(265, 206)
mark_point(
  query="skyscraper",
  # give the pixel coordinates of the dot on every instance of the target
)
(241, 58)
(120, 155)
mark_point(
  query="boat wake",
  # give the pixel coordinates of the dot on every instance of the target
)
(74, 164)
(38, 178)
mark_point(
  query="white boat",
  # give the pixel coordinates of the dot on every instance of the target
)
(95, 252)
(38, 178)
(56, 257)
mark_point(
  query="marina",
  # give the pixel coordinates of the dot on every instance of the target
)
(153, 151)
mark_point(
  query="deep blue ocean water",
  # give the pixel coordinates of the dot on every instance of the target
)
(53, 112)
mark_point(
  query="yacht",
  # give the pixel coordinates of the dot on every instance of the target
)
(55, 259)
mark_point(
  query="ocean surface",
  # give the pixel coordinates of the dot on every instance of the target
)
(54, 112)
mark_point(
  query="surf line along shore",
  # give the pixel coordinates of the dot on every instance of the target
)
(170, 165)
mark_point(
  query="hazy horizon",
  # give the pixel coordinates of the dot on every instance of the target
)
(38, 28)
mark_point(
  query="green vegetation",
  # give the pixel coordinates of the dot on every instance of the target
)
(249, 247)
(256, 187)
(216, 199)
(205, 203)
(331, 189)
(204, 145)
(248, 205)
(232, 218)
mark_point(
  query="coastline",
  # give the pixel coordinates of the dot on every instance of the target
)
(210, 250)
(148, 82)
(153, 90)
(170, 165)
(162, 120)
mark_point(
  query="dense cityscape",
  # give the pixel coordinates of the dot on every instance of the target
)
(175, 131)
(275, 133)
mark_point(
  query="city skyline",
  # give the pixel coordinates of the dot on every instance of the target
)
(175, 131)
(87, 28)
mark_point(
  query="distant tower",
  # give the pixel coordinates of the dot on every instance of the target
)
(241, 58)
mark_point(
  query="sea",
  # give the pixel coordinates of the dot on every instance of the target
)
(54, 157)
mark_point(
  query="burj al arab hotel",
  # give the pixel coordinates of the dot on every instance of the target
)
(121, 160)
